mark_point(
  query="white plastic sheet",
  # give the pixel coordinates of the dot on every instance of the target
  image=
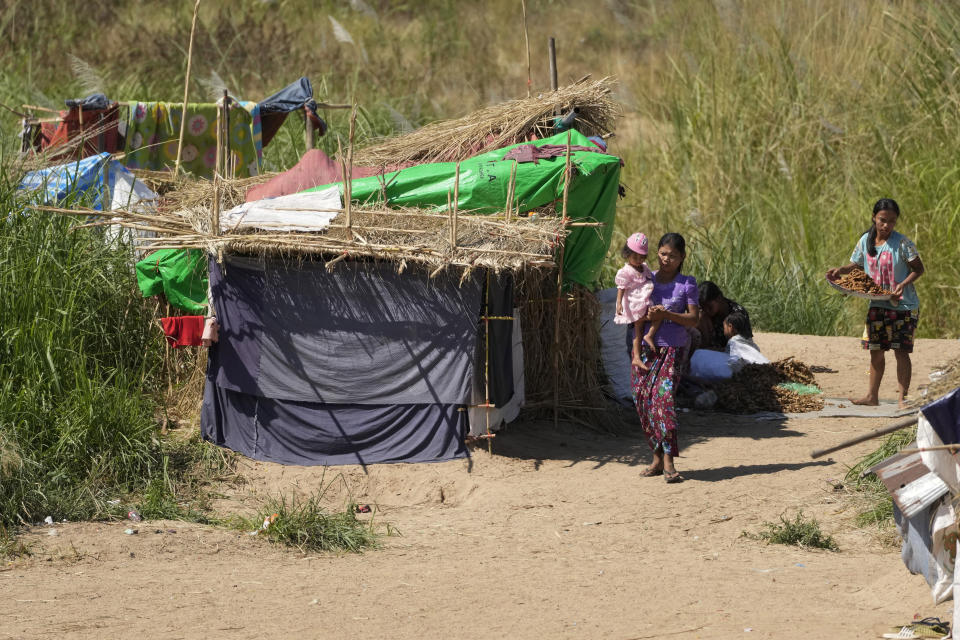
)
(311, 211)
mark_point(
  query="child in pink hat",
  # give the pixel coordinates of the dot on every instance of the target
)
(634, 285)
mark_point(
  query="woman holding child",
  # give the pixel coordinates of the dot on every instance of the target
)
(656, 370)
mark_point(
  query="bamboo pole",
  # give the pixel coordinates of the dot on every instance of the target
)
(556, 323)
(552, 52)
(453, 236)
(511, 191)
(308, 141)
(486, 368)
(348, 185)
(526, 39)
(186, 90)
(456, 202)
(896, 426)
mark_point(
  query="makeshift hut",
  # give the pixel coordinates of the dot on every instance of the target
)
(381, 319)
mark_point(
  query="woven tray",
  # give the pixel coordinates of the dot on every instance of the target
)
(857, 294)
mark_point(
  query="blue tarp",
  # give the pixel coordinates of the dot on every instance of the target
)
(90, 181)
(359, 366)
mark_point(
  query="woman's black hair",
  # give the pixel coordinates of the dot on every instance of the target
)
(676, 242)
(883, 204)
(626, 252)
(709, 292)
(740, 321)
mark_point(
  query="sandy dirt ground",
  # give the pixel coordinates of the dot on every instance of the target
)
(553, 536)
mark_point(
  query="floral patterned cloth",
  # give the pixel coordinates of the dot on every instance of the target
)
(886, 329)
(637, 287)
(654, 394)
(152, 132)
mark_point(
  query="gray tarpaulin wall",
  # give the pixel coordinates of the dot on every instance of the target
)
(357, 366)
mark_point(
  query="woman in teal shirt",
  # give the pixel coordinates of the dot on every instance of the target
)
(892, 261)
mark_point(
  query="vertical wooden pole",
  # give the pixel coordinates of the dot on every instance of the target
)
(456, 201)
(453, 236)
(486, 368)
(348, 185)
(186, 91)
(307, 129)
(552, 51)
(228, 168)
(511, 192)
(556, 323)
(526, 39)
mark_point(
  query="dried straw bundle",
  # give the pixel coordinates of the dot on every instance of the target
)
(580, 374)
(498, 126)
(396, 234)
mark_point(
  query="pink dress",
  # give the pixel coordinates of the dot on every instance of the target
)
(637, 287)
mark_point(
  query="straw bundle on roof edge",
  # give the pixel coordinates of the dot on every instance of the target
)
(397, 234)
(499, 126)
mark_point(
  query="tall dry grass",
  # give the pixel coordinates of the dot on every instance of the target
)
(762, 130)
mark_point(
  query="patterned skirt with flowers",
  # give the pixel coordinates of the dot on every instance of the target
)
(653, 394)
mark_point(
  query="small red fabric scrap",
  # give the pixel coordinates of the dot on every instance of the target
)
(183, 331)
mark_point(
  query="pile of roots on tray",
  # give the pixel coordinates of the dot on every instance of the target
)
(859, 282)
(755, 388)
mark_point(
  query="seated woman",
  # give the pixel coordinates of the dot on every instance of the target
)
(714, 309)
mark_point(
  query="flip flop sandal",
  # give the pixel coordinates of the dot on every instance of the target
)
(649, 472)
(926, 628)
(672, 477)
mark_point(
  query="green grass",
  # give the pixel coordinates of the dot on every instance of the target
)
(873, 502)
(80, 364)
(799, 532)
(304, 523)
(763, 131)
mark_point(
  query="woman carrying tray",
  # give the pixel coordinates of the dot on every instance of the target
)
(892, 261)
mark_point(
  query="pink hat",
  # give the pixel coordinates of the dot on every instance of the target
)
(637, 243)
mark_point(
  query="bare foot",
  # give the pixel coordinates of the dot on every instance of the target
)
(904, 404)
(640, 364)
(865, 401)
(649, 340)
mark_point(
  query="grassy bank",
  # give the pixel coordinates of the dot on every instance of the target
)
(764, 131)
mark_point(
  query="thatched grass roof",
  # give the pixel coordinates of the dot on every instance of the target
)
(499, 126)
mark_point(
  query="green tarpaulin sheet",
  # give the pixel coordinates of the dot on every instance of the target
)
(179, 274)
(483, 190)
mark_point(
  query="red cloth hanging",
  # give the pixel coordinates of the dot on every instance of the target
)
(183, 331)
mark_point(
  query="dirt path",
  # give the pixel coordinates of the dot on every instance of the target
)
(553, 536)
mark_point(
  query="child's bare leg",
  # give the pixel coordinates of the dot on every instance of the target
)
(648, 337)
(637, 347)
(904, 372)
(877, 365)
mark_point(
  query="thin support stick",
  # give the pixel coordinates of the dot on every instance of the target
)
(552, 51)
(186, 91)
(486, 367)
(556, 323)
(526, 39)
(348, 180)
(456, 200)
(453, 236)
(307, 130)
(228, 167)
(511, 192)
